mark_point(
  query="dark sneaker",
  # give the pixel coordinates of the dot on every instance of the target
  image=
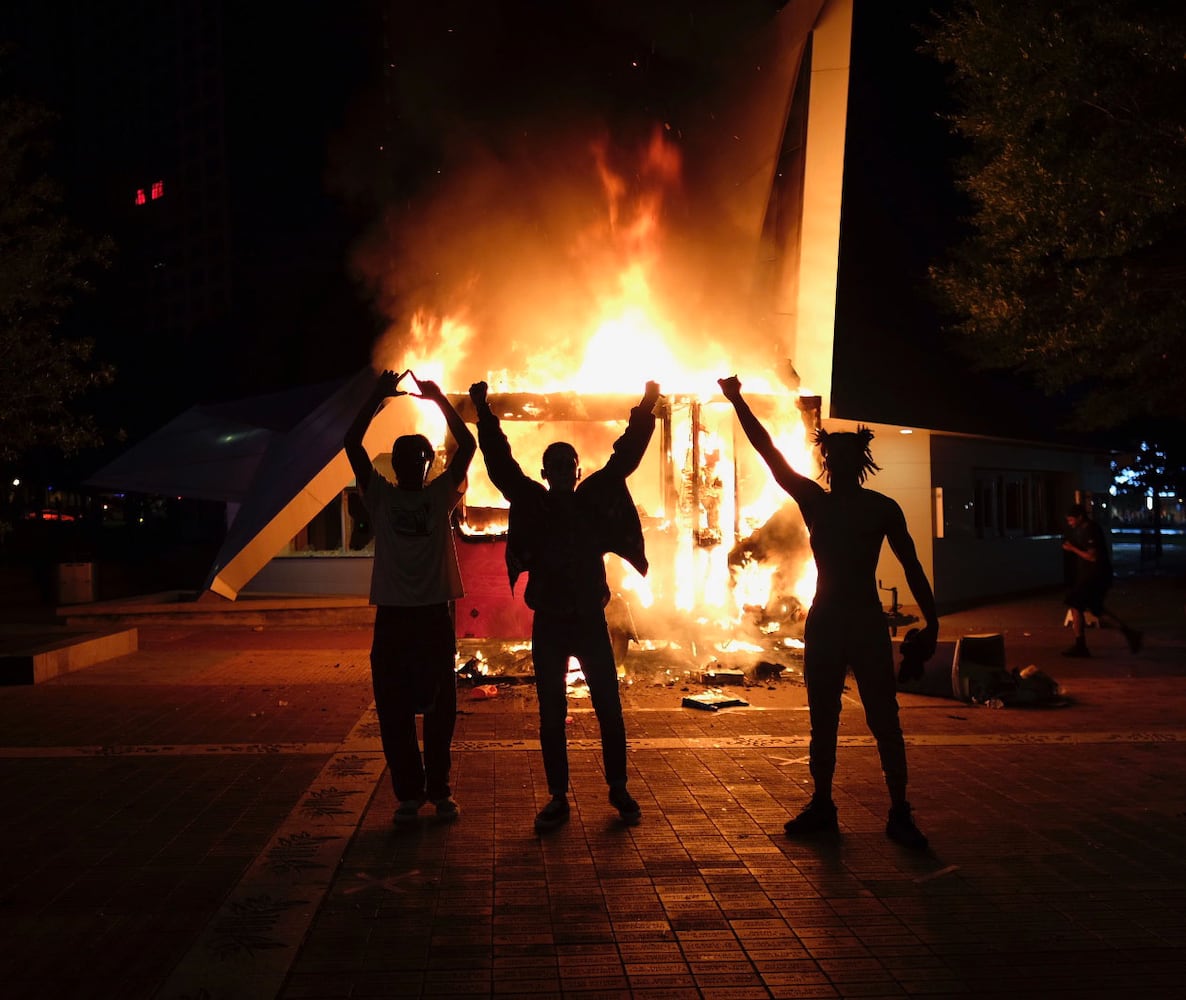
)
(408, 812)
(554, 814)
(628, 809)
(900, 828)
(1135, 639)
(818, 818)
(447, 809)
(1078, 651)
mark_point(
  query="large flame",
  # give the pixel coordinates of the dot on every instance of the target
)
(631, 326)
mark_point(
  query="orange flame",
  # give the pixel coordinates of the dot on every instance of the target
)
(628, 330)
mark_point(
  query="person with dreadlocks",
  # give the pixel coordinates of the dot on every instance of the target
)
(846, 626)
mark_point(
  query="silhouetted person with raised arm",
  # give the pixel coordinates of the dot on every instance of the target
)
(846, 626)
(559, 535)
(414, 582)
(1091, 579)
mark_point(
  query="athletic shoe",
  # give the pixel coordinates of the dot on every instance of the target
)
(553, 815)
(1078, 651)
(817, 818)
(901, 829)
(447, 809)
(623, 801)
(408, 812)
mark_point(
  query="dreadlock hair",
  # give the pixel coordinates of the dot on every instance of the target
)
(846, 454)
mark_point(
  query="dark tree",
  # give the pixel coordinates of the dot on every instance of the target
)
(45, 264)
(1074, 267)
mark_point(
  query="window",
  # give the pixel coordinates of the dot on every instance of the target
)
(1014, 504)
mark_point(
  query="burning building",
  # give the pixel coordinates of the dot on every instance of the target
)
(566, 267)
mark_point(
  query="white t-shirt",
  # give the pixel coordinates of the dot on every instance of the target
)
(415, 556)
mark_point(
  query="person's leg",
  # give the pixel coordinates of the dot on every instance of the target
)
(440, 651)
(1132, 636)
(550, 649)
(824, 668)
(823, 671)
(397, 720)
(873, 670)
(1077, 603)
(596, 656)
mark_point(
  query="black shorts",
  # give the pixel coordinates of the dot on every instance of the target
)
(1088, 595)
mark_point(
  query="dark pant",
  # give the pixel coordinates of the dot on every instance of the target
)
(413, 669)
(835, 640)
(554, 638)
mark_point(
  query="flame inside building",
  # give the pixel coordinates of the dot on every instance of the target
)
(567, 270)
(723, 542)
(567, 263)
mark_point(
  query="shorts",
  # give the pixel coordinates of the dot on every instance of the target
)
(1088, 595)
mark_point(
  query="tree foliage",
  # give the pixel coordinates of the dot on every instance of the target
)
(1150, 469)
(45, 264)
(1074, 267)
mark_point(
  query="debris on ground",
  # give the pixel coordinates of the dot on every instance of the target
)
(484, 692)
(720, 676)
(713, 700)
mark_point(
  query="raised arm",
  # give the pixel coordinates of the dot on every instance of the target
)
(902, 546)
(387, 384)
(632, 445)
(796, 484)
(466, 445)
(501, 467)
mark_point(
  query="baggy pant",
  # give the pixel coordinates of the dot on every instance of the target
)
(554, 638)
(834, 640)
(413, 670)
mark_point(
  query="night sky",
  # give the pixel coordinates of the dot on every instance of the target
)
(335, 122)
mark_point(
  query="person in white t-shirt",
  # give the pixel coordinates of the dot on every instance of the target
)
(414, 582)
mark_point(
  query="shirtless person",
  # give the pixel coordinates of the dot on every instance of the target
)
(846, 626)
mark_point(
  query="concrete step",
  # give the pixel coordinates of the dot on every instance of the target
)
(30, 654)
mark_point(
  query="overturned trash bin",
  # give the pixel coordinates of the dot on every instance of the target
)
(972, 669)
(978, 668)
(979, 675)
(932, 677)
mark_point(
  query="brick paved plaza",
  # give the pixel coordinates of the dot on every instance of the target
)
(209, 817)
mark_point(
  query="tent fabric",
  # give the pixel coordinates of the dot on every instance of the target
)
(277, 457)
(299, 473)
(211, 451)
(194, 455)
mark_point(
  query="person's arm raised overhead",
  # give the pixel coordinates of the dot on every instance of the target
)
(793, 482)
(632, 445)
(387, 384)
(501, 467)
